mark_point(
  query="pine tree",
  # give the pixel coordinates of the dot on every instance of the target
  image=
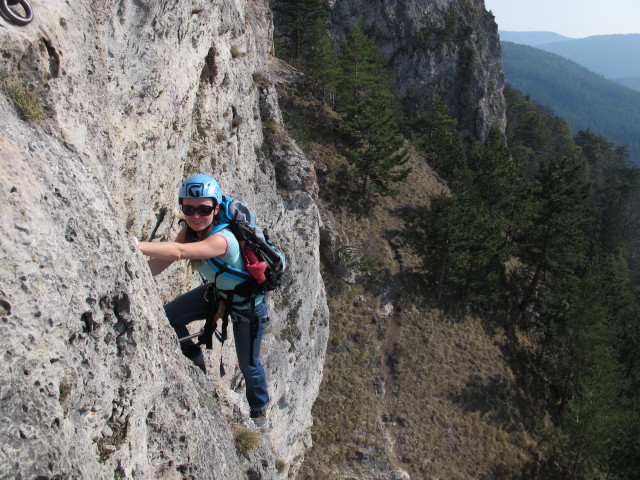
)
(433, 133)
(528, 133)
(369, 124)
(296, 21)
(321, 64)
(596, 396)
(554, 243)
(501, 186)
(463, 248)
(580, 295)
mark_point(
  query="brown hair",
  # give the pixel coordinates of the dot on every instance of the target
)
(191, 235)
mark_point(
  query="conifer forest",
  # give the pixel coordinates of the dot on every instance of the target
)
(537, 233)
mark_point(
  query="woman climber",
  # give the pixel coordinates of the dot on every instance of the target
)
(200, 197)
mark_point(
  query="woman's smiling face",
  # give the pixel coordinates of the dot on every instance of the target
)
(198, 222)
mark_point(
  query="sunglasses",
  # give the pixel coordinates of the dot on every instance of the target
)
(202, 210)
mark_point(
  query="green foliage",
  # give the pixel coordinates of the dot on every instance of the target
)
(370, 119)
(468, 235)
(614, 181)
(559, 208)
(554, 244)
(107, 445)
(434, 134)
(298, 23)
(527, 131)
(583, 361)
(321, 64)
(296, 126)
(118, 473)
(577, 294)
(463, 248)
(355, 82)
(502, 187)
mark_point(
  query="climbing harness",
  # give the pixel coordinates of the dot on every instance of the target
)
(13, 15)
(220, 309)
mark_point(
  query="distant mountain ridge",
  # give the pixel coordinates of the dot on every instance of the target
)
(583, 98)
(613, 56)
(616, 57)
(531, 38)
(631, 82)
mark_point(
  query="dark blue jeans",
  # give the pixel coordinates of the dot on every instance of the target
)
(193, 306)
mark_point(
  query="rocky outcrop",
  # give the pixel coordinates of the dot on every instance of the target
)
(437, 49)
(136, 95)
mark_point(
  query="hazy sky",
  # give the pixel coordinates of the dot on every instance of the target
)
(571, 18)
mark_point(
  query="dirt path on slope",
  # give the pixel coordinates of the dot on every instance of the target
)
(392, 431)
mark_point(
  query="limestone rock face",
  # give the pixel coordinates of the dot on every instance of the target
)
(136, 96)
(446, 49)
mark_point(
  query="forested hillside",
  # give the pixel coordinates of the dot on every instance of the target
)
(585, 100)
(484, 304)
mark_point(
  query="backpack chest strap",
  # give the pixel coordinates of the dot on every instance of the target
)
(223, 268)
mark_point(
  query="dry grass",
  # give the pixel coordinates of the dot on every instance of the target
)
(346, 411)
(245, 439)
(236, 53)
(457, 398)
(456, 409)
(24, 99)
(422, 184)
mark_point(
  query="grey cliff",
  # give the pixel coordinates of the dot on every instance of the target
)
(137, 95)
(437, 49)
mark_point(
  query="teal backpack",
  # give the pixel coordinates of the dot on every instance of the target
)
(263, 261)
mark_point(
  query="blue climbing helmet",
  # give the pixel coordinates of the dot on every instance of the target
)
(200, 186)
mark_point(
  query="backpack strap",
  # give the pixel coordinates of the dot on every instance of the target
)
(247, 285)
(253, 327)
(222, 268)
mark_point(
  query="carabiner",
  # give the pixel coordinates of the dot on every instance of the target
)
(15, 17)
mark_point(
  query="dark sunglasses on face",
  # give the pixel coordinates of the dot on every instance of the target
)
(203, 210)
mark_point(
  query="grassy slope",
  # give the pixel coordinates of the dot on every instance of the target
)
(418, 388)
